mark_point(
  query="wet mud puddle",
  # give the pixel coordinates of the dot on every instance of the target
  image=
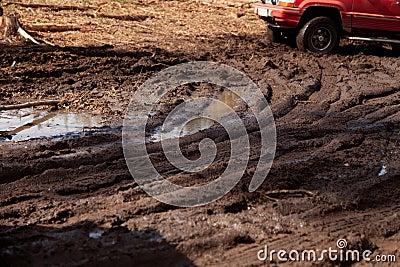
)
(24, 124)
(218, 109)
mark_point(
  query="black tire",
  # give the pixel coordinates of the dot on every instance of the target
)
(396, 49)
(320, 35)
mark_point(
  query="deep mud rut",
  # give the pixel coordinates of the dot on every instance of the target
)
(72, 201)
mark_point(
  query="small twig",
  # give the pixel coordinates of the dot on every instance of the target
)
(48, 43)
(290, 192)
(27, 35)
(268, 197)
(142, 26)
(121, 17)
(306, 101)
(52, 27)
(29, 125)
(102, 42)
(30, 104)
(146, 10)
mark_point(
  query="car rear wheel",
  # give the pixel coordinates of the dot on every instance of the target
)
(320, 35)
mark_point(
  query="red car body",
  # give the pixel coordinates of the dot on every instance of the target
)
(378, 20)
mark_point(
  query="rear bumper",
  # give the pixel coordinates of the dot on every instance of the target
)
(277, 16)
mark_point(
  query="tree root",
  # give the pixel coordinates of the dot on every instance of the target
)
(30, 104)
(274, 194)
(52, 28)
(12, 27)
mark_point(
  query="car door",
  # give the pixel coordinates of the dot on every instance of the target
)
(376, 15)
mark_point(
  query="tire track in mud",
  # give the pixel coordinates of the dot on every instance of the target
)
(381, 96)
(336, 130)
(36, 158)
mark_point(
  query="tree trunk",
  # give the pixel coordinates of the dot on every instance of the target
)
(11, 26)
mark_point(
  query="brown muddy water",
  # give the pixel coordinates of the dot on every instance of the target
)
(25, 124)
(228, 101)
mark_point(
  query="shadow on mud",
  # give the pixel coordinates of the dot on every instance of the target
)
(86, 244)
(204, 51)
(372, 49)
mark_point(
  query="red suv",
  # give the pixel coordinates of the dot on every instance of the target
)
(319, 24)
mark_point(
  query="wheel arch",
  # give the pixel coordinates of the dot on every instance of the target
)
(320, 11)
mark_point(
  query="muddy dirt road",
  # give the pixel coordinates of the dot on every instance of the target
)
(71, 201)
